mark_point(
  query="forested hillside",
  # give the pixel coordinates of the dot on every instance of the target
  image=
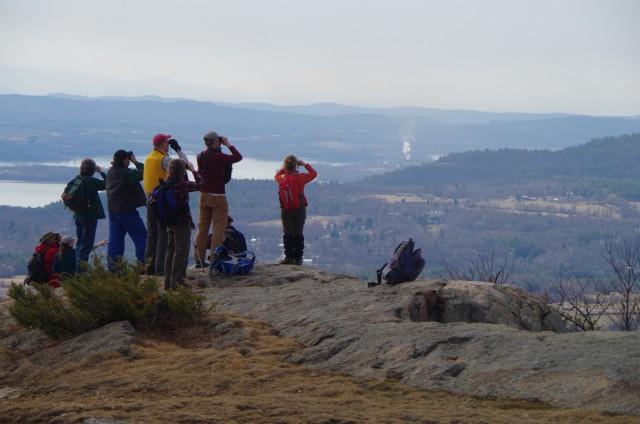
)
(592, 170)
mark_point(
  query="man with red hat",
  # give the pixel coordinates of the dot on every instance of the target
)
(155, 169)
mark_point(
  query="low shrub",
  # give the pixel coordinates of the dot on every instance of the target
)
(98, 297)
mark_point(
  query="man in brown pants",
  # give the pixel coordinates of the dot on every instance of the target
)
(215, 169)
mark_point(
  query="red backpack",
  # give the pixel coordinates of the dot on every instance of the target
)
(291, 196)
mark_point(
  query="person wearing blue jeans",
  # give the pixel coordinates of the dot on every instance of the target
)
(125, 195)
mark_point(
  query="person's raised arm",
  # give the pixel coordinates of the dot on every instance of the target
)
(311, 173)
(235, 155)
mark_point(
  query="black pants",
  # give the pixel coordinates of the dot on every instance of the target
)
(156, 243)
(293, 221)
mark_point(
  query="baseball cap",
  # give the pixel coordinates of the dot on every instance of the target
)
(160, 138)
(211, 136)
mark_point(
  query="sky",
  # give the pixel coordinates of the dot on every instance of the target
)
(573, 56)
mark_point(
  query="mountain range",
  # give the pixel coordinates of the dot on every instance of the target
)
(351, 141)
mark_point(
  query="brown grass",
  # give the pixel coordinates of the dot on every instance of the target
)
(234, 370)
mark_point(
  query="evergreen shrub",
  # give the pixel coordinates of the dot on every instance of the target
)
(97, 297)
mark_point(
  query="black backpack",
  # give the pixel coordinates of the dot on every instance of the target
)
(36, 272)
(234, 240)
(405, 264)
(74, 196)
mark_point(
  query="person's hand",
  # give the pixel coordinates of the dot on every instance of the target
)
(224, 141)
(174, 145)
(301, 163)
(133, 159)
(98, 168)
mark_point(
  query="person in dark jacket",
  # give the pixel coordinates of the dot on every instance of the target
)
(125, 195)
(64, 264)
(214, 208)
(87, 220)
(179, 233)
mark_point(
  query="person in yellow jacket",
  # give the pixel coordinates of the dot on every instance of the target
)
(156, 166)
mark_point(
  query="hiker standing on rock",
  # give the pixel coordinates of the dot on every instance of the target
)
(86, 220)
(293, 205)
(125, 195)
(215, 169)
(180, 223)
(156, 166)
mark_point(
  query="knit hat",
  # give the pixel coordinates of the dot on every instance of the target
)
(158, 139)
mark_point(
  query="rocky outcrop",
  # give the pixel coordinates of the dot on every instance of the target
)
(462, 337)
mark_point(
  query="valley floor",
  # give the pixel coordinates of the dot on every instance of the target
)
(205, 375)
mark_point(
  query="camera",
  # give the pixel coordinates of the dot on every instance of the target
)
(129, 154)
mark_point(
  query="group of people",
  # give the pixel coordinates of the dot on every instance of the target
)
(163, 247)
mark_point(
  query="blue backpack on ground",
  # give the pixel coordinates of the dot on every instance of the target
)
(232, 263)
(406, 264)
(165, 205)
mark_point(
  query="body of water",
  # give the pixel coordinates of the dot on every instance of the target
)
(26, 194)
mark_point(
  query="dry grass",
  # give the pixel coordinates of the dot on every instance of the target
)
(240, 374)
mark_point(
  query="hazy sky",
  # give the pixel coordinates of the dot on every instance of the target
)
(576, 56)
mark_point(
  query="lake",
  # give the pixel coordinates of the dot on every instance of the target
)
(17, 193)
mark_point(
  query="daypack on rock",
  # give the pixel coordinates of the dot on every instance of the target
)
(289, 193)
(74, 196)
(234, 240)
(36, 272)
(405, 264)
(232, 263)
(165, 205)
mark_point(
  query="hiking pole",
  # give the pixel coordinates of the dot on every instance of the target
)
(198, 258)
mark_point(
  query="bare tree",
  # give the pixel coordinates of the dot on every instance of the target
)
(623, 256)
(581, 303)
(482, 268)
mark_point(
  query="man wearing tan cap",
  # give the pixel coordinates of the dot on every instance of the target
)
(215, 169)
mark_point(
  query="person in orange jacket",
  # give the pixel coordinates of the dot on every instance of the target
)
(293, 206)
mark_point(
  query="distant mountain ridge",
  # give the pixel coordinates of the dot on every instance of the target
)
(368, 140)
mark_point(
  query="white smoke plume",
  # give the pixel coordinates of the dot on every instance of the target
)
(406, 146)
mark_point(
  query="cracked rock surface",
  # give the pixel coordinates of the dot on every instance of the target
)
(462, 337)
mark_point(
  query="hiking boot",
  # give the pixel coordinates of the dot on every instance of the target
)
(297, 261)
(287, 261)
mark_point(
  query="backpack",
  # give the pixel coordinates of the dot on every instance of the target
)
(204, 159)
(232, 263)
(36, 272)
(234, 240)
(405, 264)
(165, 205)
(289, 193)
(74, 196)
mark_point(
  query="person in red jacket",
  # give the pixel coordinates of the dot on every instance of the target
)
(293, 206)
(49, 244)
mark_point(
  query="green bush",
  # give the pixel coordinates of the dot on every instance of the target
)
(98, 297)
